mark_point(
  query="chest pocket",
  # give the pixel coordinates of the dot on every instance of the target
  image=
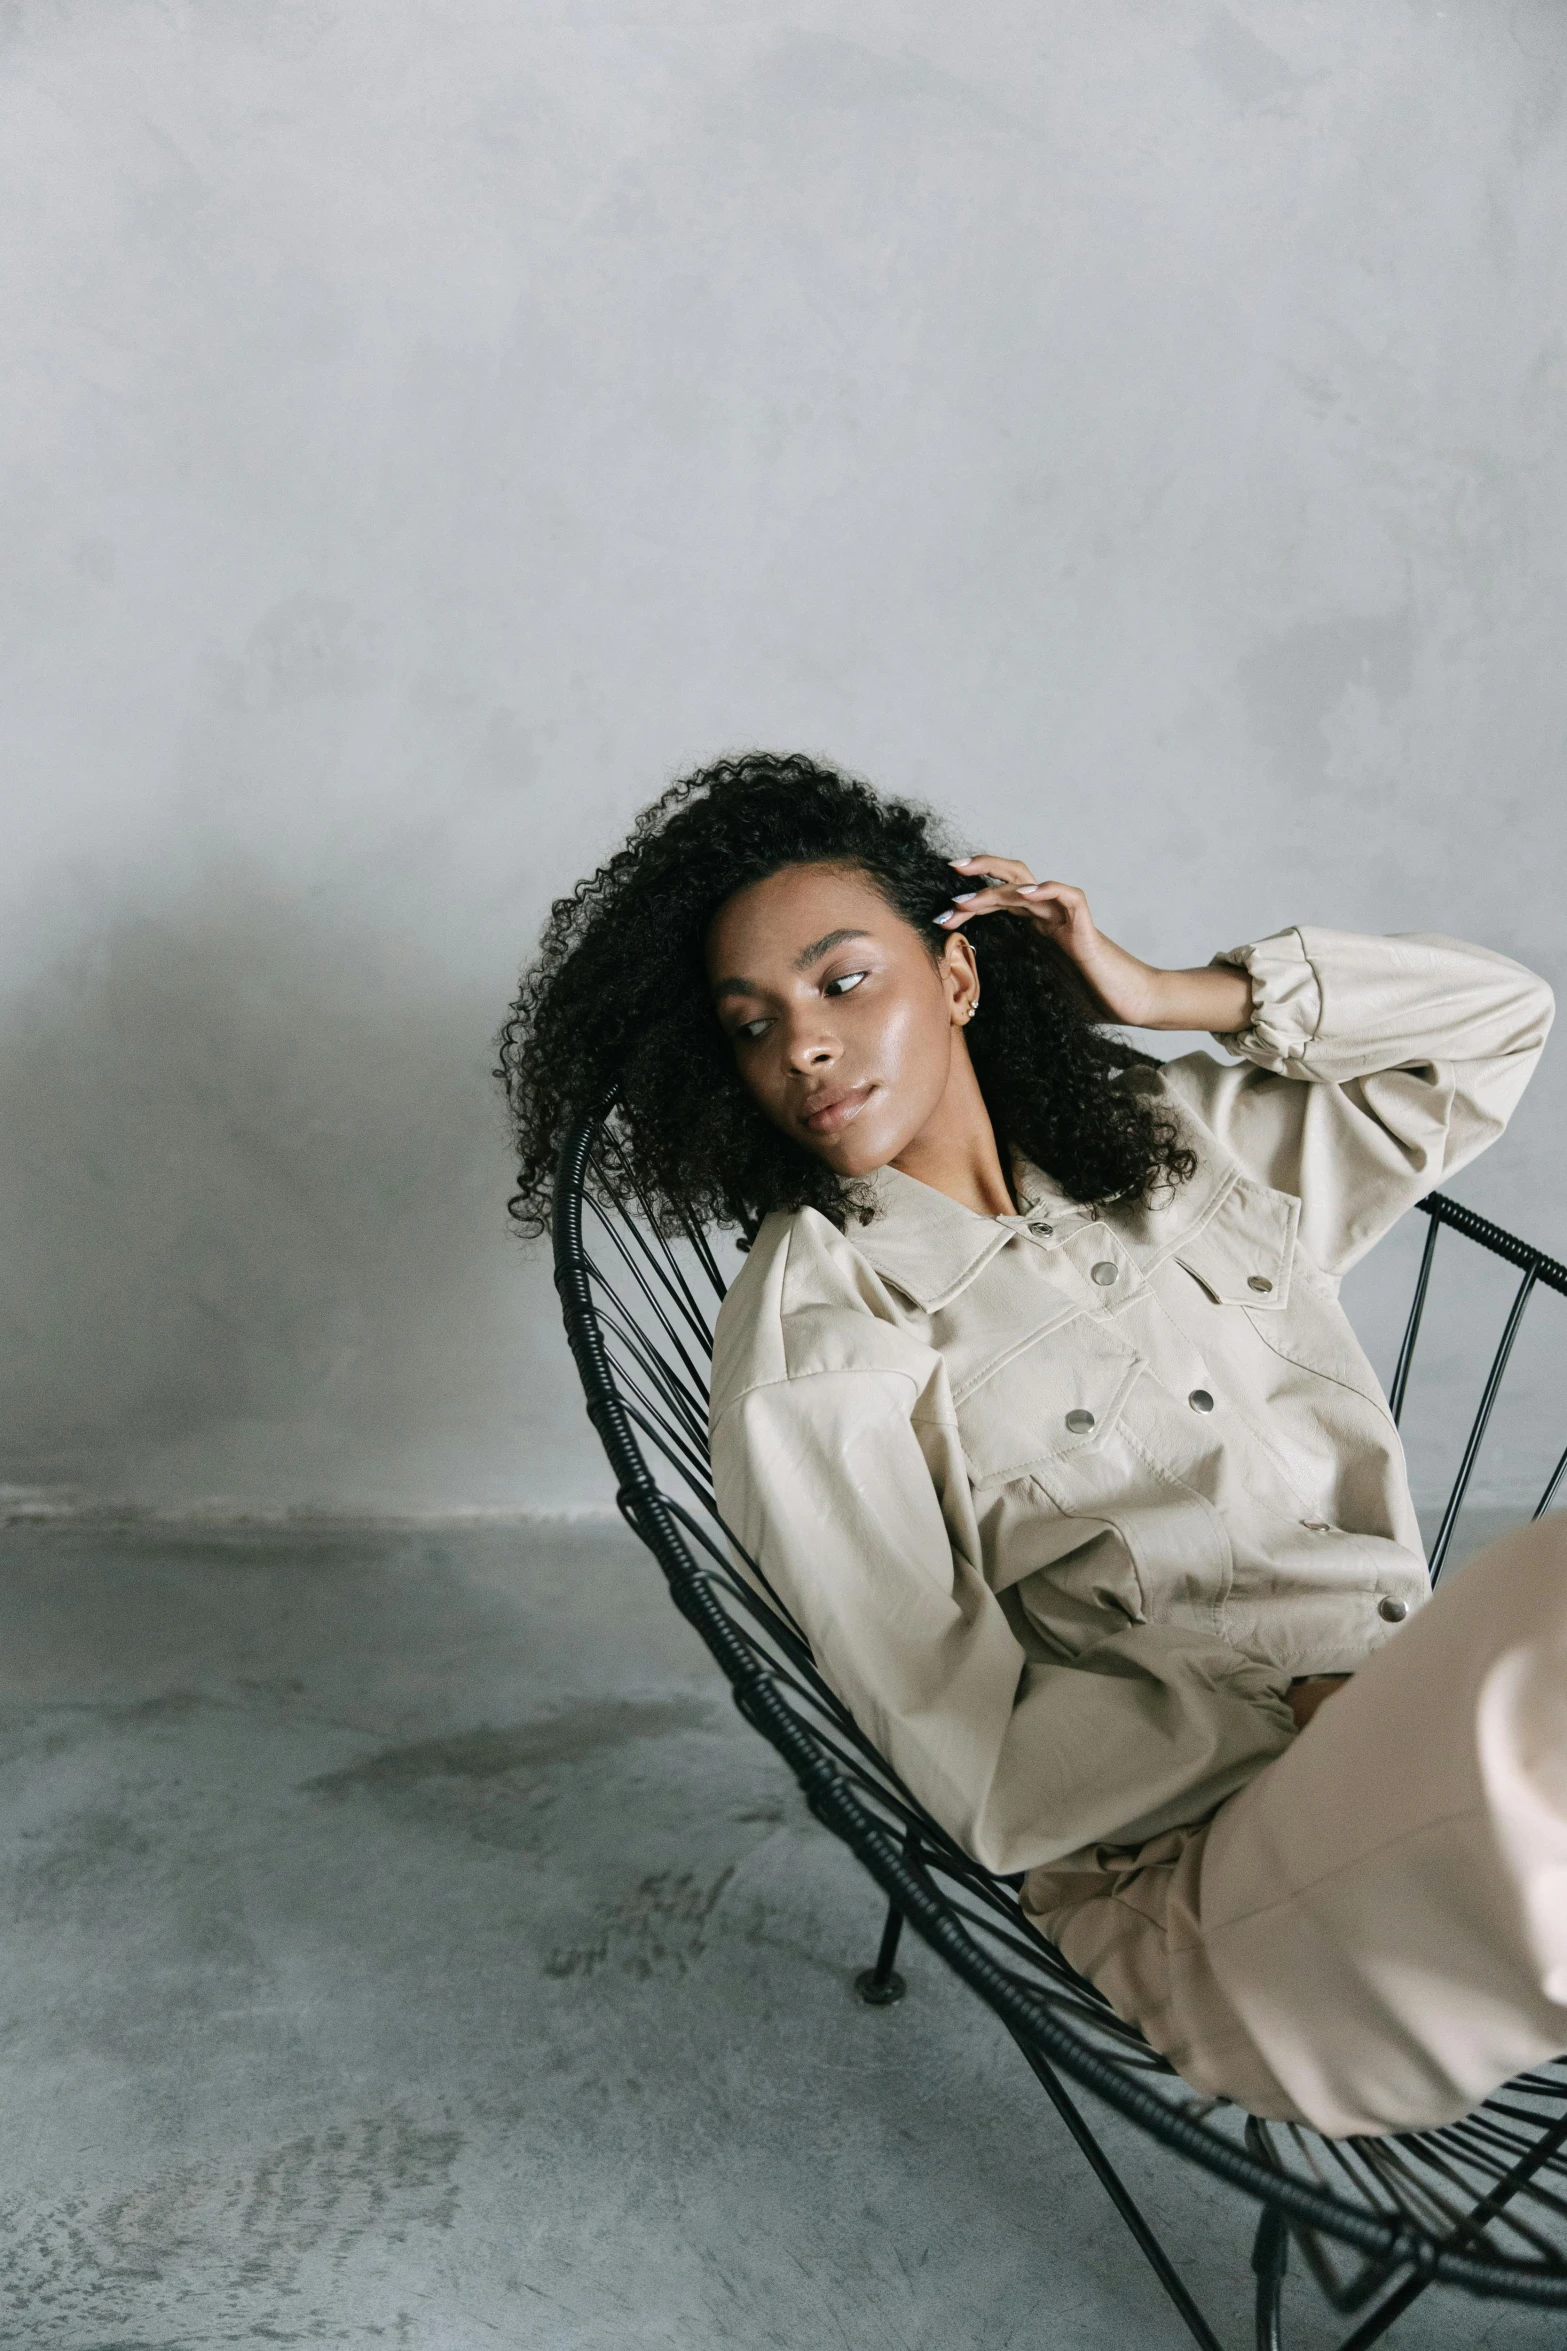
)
(1058, 1401)
(1245, 1254)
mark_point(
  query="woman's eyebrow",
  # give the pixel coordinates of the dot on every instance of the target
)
(819, 947)
(802, 962)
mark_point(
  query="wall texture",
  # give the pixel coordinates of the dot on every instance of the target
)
(1138, 425)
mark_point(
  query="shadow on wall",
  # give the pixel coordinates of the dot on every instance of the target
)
(254, 1168)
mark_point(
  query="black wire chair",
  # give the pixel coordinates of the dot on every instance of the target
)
(1479, 2204)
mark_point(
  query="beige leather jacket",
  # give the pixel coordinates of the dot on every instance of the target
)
(1064, 1500)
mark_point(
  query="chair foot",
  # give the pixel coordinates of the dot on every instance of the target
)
(881, 1986)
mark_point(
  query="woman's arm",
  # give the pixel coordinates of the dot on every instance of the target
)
(1371, 1069)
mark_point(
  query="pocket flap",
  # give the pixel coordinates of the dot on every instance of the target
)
(1063, 1395)
(1245, 1254)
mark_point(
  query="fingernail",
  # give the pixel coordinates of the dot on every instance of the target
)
(948, 916)
(962, 897)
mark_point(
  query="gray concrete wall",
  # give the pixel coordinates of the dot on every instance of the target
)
(1140, 427)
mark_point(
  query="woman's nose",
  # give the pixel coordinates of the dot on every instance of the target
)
(808, 1049)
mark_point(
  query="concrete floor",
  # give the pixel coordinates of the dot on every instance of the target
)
(407, 1944)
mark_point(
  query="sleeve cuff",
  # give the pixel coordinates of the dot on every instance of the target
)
(1286, 1002)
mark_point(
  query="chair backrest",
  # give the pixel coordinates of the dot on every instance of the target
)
(639, 1302)
(1535, 1271)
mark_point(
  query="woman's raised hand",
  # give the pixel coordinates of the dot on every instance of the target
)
(1126, 989)
(1137, 994)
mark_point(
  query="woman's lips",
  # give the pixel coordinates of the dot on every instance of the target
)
(834, 1115)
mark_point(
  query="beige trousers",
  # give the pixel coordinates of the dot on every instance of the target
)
(1371, 1935)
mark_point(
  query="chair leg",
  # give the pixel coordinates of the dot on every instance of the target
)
(1121, 2197)
(881, 1986)
(1269, 2258)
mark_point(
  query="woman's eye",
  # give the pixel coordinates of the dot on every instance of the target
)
(750, 1030)
(842, 985)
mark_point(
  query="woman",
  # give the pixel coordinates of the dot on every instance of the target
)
(1036, 1403)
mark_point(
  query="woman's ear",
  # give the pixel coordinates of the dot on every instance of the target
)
(960, 977)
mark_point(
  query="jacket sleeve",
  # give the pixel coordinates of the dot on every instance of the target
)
(1372, 1070)
(849, 1487)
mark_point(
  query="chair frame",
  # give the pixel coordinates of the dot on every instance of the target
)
(1448, 2206)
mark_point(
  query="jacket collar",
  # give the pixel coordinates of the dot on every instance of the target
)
(932, 1247)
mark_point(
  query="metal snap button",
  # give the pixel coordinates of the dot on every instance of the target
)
(1200, 1400)
(1393, 1611)
(1258, 1281)
(1044, 1230)
(1105, 1273)
(1079, 1423)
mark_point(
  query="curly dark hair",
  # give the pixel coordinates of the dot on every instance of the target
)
(618, 996)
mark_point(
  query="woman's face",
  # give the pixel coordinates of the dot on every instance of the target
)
(844, 1027)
